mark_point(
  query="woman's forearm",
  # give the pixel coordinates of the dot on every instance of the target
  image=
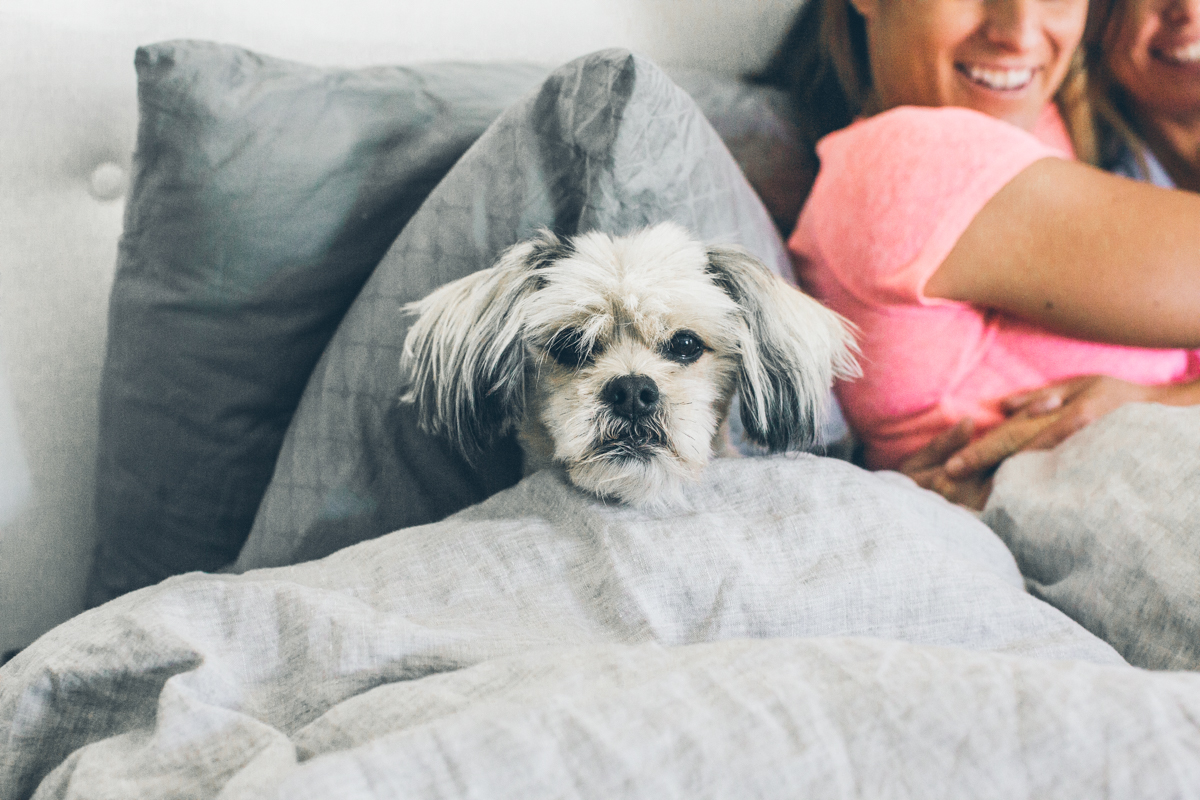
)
(1177, 394)
(1086, 254)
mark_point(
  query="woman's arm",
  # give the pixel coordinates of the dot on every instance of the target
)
(1085, 254)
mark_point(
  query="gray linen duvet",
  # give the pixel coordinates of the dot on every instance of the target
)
(802, 629)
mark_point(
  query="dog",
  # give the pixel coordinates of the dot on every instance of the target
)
(618, 358)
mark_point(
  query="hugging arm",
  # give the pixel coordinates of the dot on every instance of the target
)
(960, 470)
(1086, 254)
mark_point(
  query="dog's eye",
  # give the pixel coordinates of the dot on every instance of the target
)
(684, 347)
(568, 349)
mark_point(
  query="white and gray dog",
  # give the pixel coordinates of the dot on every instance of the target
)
(618, 357)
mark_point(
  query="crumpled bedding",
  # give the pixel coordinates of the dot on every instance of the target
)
(797, 628)
(800, 628)
(1106, 527)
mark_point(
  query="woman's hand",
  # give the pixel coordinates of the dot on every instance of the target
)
(961, 470)
(928, 468)
(1041, 418)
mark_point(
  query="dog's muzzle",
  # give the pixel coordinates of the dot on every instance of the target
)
(632, 400)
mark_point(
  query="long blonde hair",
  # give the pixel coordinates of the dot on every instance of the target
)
(823, 63)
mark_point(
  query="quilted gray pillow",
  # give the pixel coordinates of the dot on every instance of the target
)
(1105, 527)
(609, 143)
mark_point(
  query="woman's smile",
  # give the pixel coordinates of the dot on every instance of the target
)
(998, 79)
(1153, 53)
(1005, 58)
(1185, 55)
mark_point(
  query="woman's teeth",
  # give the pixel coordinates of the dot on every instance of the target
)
(1000, 79)
(1188, 54)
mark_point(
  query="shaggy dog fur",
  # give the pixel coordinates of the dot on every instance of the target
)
(618, 357)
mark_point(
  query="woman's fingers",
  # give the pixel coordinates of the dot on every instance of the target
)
(940, 448)
(971, 492)
(1017, 402)
(1063, 427)
(1041, 401)
(1044, 403)
(999, 443)
(1093, 397)
(960, 470)
(1045, 417)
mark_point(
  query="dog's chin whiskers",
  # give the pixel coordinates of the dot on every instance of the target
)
(648, 483)
(620, 451)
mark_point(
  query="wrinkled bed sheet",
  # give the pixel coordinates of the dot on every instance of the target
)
(1106, 527)
(802, 629)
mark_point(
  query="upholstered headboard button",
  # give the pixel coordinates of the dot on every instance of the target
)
(107, 181)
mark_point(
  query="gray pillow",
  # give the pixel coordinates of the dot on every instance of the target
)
(264, 193)
(608, 142)
(1105, 527)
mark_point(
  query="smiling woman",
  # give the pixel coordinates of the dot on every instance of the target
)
(980, 260)
(1006, 59)
(1145, 67)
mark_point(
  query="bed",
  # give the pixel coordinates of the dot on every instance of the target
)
(373, 617)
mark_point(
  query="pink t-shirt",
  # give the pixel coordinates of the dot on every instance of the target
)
(893, 195)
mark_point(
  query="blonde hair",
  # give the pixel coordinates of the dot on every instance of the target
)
(823, 63)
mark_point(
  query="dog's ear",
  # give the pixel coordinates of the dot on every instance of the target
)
(792, 349)
(464, 357)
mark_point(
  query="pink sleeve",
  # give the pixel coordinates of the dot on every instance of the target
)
(897, 190)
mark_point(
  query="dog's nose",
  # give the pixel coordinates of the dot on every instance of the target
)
(631, 396)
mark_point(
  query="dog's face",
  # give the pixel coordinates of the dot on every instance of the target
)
(618, 357)
(633, 357)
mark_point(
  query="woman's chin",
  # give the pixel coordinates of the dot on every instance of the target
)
(1022, 106)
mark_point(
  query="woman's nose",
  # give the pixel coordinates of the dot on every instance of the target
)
(1016, 24)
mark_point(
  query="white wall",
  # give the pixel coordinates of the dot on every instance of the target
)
(724, 35)
(68, 106)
